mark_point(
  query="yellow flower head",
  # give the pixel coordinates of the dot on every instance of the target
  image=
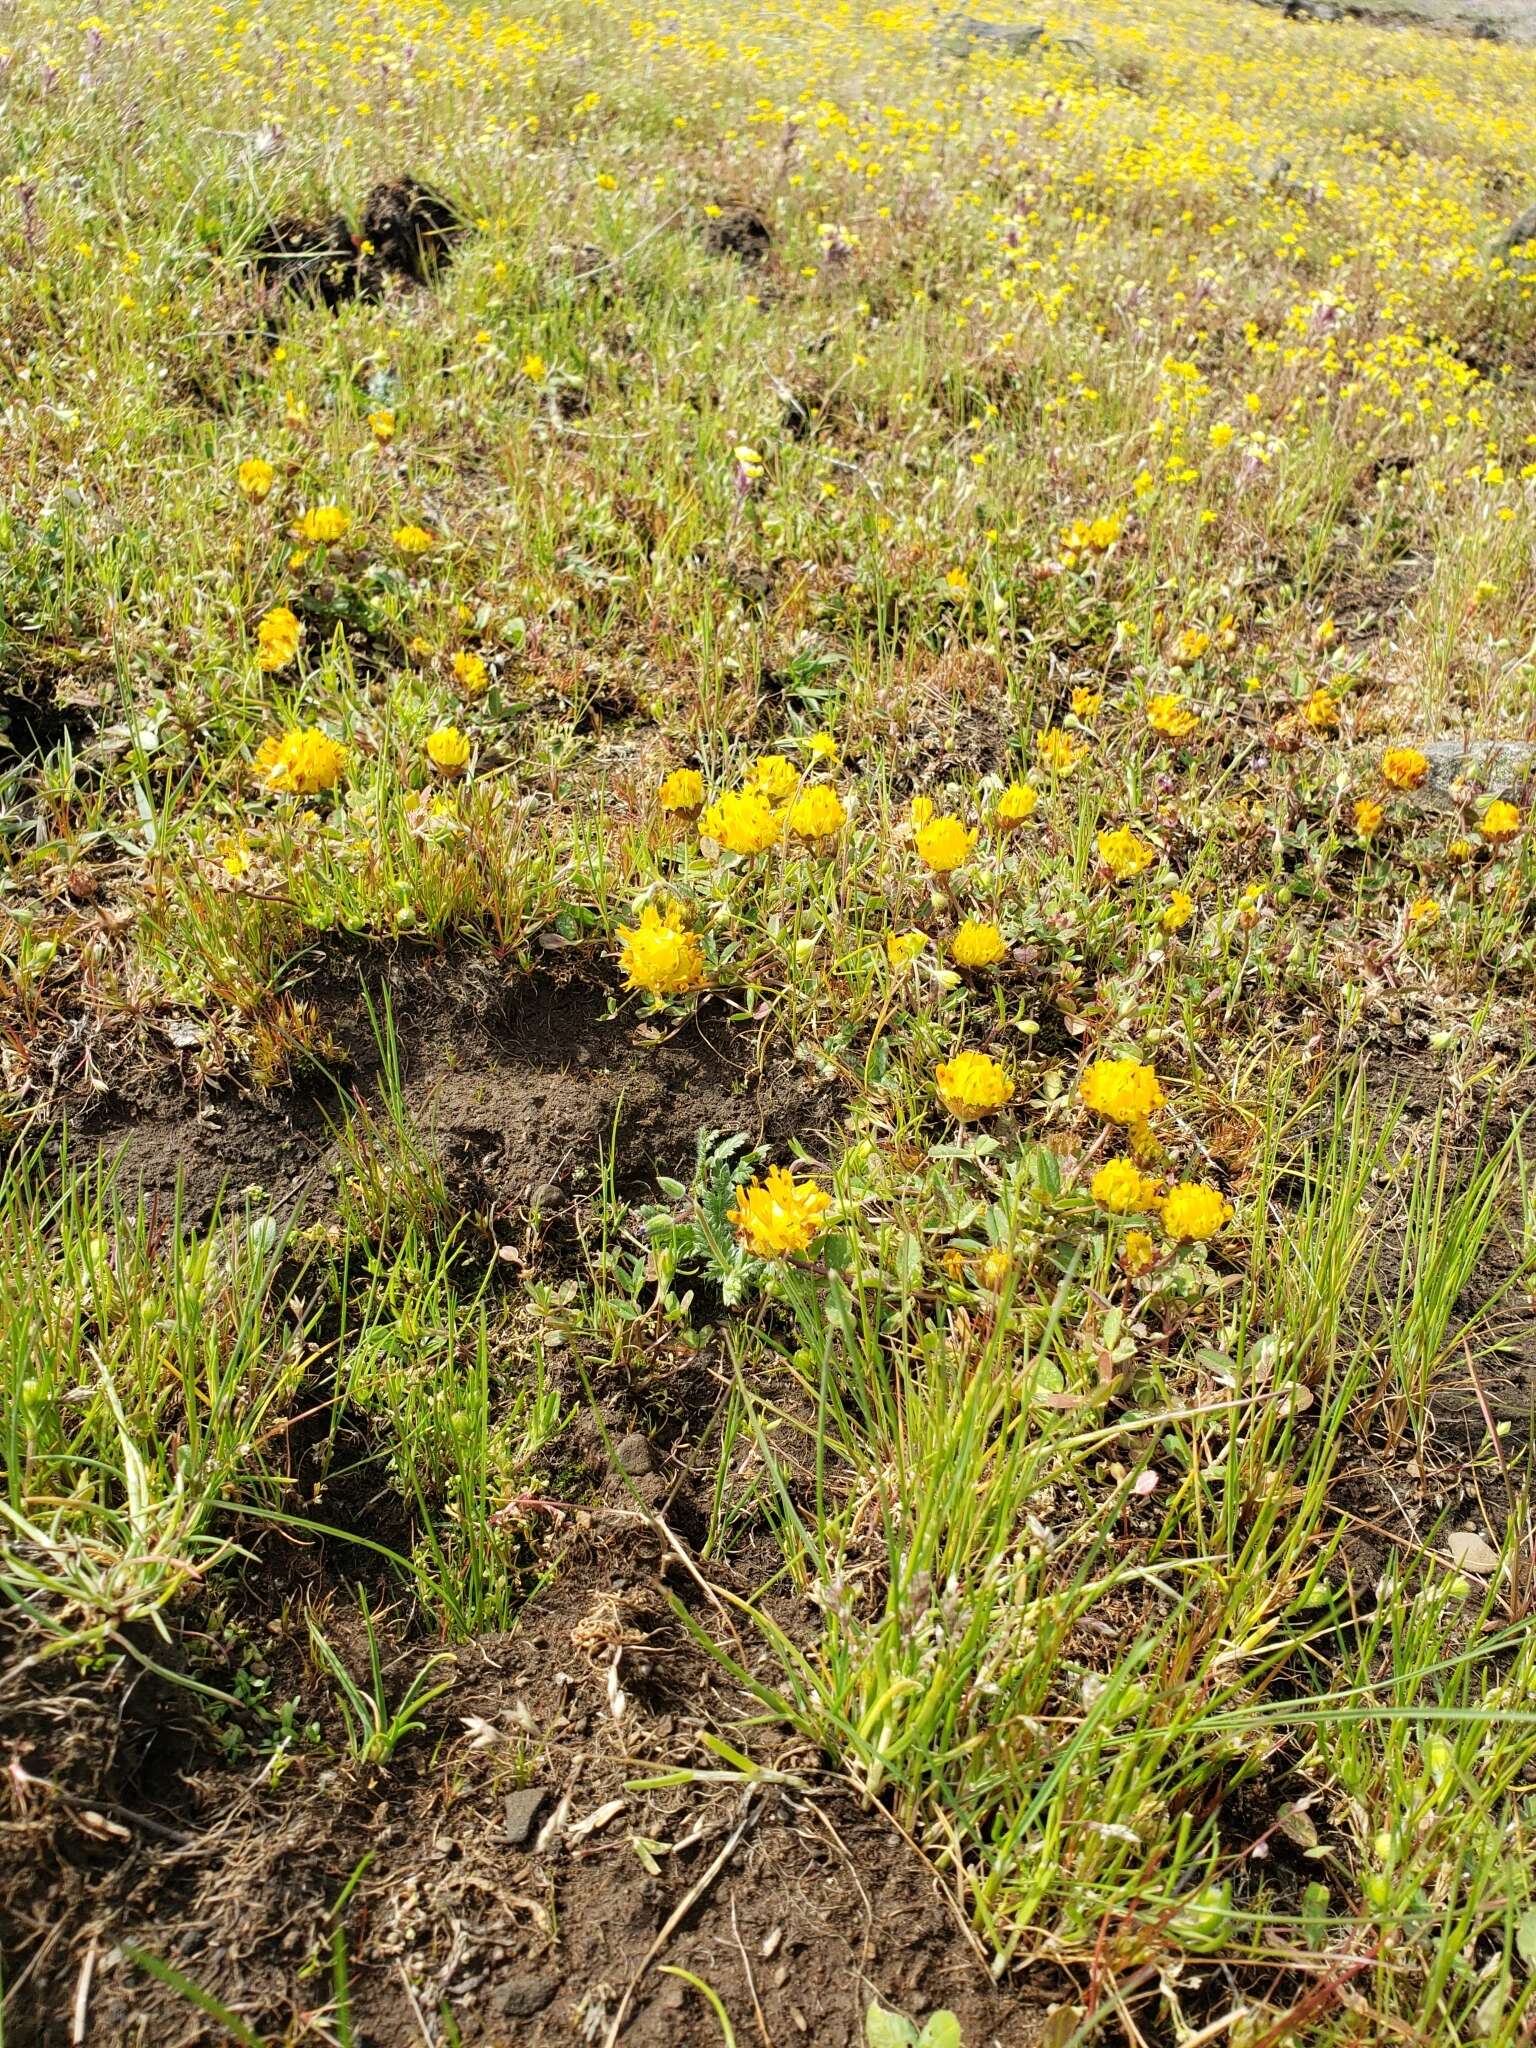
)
(1321, 711)
(822, 747)
(977, 944)
(1189, 647)
(1193, 1211)
(1180, 908)
(1087, 704)
(322, 525)
(277, 639)
(742, 821)
(902, 948)
(1460, 850)
(1423, 912)
(972, 1085)
(1121, 1187)
(1404, 767)
(382, 423)
(1059, 749)
(535, 369)
(920, 810)
(774, 776)
(414, 540)
(1170, 715)
(659, 955)
(255, 477)
(944, 844)
(1015, 805)
(1138, 1254)
(1499, 823)
(817, 813)
(682, 791)
(448, 750)
(779, 1216)
(994, 1269)
(470, 672)
(1123, 853)
(300, 762)
(1368, 816)
(1120, 1091)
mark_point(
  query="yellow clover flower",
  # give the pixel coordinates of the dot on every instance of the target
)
(277, 639)
(1194, 1211)
(1015, 805)
(817, 813)
(255, 477)
(972, 1085)
(448, 750)
(414, 540)
(1499, 823)
(300, 762)
(944, 844)
(1121, 1091)
(659, 955)
(322, 525)
(742, 821)
(977, 944)
(1121, 1187)
(1404, 767)
(682, 792)
(1123, 853)
(779, 1216)
(1170, 715)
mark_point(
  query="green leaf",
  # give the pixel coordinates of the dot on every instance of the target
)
(942, 2031)
(884, 2029)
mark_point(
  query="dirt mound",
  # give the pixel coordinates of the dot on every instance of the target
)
(408, 230)
(412, 228)
(504, 1867)
(738, 231)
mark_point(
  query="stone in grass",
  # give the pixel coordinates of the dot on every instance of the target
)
(1483, 767)
(1522, 229)
(962, 33)
(522, 1810)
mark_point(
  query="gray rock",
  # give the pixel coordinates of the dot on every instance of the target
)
(520, 1997)
(962, 33)
(1486, 767)
(1521, 229)
(522, 1810)
(632, 1454)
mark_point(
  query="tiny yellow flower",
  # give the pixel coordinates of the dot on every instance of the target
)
(1190, 645)
(1499, 823)
(994, 1269)
(1121, 1091)
(1087, 704)
(682, 791)
(1194, 1211)
(1326, 634)
(470, 672)
(742, 821)
(382, 424)
(1123, 853)
(779, 1216)
(977, 944)
(1423, 912)
(1178, 910)
(822, 747)
(1170, 715)
(448, 750)
(944, 844)
(1404, 767)
(817, 813)
(1368, 816)
(1121, 1187)
(300, 762)
(957, 581)
(1059, 749)
(277, 639)
(902, 948)
(659, 955)
(1015, 805)
(255, 477)
(1321, 711)
(972, 1085)
(774, 776)
(414, 540)
(1460, 850)
(535, 369)
(1138, 1254)
(322, 525)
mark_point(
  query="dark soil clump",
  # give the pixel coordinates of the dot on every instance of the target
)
(310, 259)
(411, 227)
(739, 231)
(407, 231)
